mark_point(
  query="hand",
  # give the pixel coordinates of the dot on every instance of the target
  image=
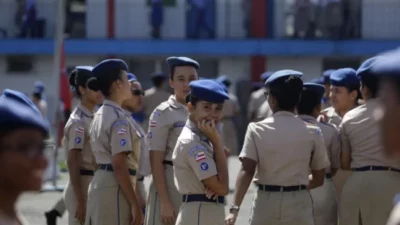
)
(323, 117)
(209, 129)
(137, 216)
(231, 219)
(81, 212)
(210, 194)
(168, 214)
(140, 199)
(227, 151)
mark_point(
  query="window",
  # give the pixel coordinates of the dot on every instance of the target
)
(337, 63)
(20, 63)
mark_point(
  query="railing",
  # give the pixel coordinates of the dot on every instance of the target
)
(223, 19)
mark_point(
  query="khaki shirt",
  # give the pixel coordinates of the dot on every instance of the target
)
(331, 139)
(285, 148)
(193, 160)
(257, 98)
(360, 134)
(76, 135)
(165, 126)
(111, 133)
(264, 111)
(144, 165)
(152, 98)
(333, 117)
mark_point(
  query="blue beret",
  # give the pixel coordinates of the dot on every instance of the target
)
(38, 87)
(131, 77)
(345, 77)
(264, 76)
(388, 65)
(319, 89)
(222, 85)
(107, 65)
(282, 73)
(327, 73)
(159, 74)
(365, 67)
(319, 80)
(21, 98)
(13, 114)
(208, 90)
(182, 61)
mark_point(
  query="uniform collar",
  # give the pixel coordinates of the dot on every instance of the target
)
(112, 104)
(127, 112)
(85, 111)
(174, 103)
(193, 127)
(308, 118)
(284, 113)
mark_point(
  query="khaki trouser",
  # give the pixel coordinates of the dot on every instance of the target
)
(367, 197)
(325, 204)
(340, 179)
(106, 203)
(70, 199)
(153, 208)
(282, 208)
(60, 206)
(201, 213)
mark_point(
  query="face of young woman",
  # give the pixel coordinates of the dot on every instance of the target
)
(182, 76)
(207, 111)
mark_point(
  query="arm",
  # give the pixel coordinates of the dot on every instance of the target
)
(319, 160)
(220, 182)
(335, 152)
(159, 130)
(121, 145)
(345, 153)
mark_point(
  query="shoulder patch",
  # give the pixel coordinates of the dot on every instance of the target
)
(120, 122)
(314, 128)
(196, 149)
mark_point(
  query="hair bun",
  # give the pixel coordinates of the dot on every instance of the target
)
(93, 84)
(72, 77)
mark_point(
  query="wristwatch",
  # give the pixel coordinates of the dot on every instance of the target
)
(234, 208)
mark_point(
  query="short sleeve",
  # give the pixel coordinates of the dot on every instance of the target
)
(76, 135)
(158, 131)
(249, 149)
(319, 159)
(121, 138)
(199, 159)
(334, 149)
(344, 139)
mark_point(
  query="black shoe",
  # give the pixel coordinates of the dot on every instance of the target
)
(51, 217)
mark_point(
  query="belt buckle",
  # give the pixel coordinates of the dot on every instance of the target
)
(390, 168)
(281, 189)
(370, 168)
(299, 188)
(186, 198)
(107, 167)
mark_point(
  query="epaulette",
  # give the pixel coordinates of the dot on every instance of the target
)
(163, 106)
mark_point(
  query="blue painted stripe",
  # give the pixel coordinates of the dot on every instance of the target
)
(203, 47)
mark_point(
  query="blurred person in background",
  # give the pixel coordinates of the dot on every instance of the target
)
(135, 104)
(326, 100)
(76, 143)
(38, 97)
(156, 17)
(231, 113)
(29, 28)
(257, 98)
(199, 10)
(22, 151)
(154, 96)
(333, 18)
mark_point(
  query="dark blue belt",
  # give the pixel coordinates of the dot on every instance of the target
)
(140, 179)
(166, 162)
(202, 198)
(109, 167)
(328, 175)
(274, 188)
(375, 168)
(84, 172)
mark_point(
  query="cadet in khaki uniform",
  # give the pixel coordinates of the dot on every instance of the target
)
(344, 90)
(116, 148)
(231, 113)
(363, 153)
(282, 149)
(22, 162)
(388, 69)
(257, 98)
(166, 123)
(135, 104)
(76, 143)
(199, 158)
(324, 197)
(154, 96)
